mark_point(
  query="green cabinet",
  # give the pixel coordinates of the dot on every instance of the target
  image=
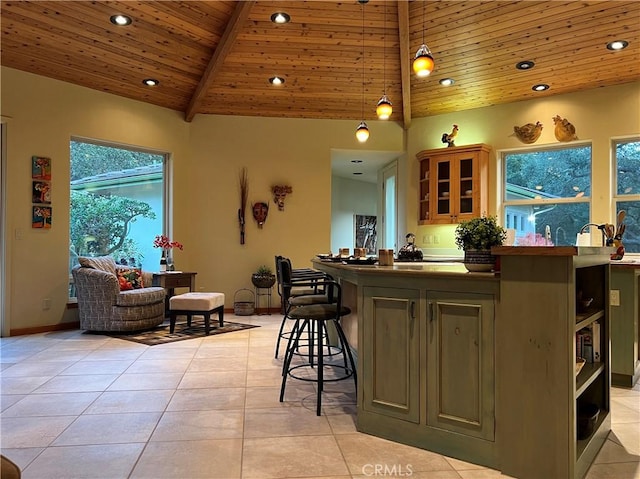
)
(542, 389)
(390, 353)
(625, 352)
(427, 368)
(460, 363)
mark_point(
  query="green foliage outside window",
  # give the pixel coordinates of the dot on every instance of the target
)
(100, 224)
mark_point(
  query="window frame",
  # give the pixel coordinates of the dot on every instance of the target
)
(615, 196)
(503, 203)
(166, 174)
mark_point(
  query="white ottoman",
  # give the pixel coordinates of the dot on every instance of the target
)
(189, 304)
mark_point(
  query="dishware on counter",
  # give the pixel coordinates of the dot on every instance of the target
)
(385, 257)
(361, 260)
(345, 252)
(360, 252)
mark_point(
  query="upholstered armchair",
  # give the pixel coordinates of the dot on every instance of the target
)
(102, 306)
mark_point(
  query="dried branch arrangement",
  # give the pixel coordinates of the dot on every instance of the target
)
(244, 194)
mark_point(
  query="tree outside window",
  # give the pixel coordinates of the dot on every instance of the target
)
(627, 189)
(546, 194)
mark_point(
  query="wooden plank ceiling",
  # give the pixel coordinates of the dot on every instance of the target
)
(215, 57)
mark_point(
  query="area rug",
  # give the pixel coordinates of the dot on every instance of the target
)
(161, 334)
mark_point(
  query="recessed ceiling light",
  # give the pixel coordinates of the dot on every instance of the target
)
(525, 65)
(356, 161)
(617, 45)
(150, 82)
(120, 20)
(447, 81)
(276, 80)
(280, 17)
(540, 87)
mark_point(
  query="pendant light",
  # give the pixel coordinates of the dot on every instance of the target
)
(362, 132)
(423, 63)
(385, 107)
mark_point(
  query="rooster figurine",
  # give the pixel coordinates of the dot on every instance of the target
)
(564, 130)
(450, 137)
(528, 133)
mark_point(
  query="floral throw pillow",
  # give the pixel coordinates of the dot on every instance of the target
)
(130, 279)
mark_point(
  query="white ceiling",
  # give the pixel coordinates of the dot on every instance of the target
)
(347, 163)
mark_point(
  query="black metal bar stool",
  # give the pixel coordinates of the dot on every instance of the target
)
(314, 318)
(302, 290)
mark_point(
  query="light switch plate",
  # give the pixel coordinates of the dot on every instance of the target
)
(614, 297)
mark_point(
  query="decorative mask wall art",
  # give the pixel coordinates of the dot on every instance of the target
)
(260, 211)
(279, 194)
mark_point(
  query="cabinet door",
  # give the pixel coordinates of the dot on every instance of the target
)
(425, 191)
(443, 171)
(390, 352)
(460, 371)
(466, 188)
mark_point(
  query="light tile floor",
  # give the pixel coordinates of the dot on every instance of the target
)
(78, 405)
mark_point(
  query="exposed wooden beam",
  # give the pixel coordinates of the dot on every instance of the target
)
(405, 67)
(236, 22)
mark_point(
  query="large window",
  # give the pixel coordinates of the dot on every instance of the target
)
(117, 203)
(627, 189)
(546, 194)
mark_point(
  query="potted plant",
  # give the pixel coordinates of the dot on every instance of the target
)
(263, 277)
(476, 237)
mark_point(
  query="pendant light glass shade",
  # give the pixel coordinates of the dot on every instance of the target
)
(384, 108)
(423, 63)
(362, 132)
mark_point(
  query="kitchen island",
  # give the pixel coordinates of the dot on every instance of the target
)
(425, 340)
(481, 366)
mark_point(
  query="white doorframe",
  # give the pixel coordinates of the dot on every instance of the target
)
(4, 325)
(388, 206)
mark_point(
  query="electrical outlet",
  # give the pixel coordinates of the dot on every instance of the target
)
(427, 239)
(46, 304)
(436, 239)
(614, 297)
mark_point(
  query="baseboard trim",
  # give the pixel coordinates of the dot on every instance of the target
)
(45, 329)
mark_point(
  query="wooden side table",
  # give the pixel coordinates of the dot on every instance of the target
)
(170, 280)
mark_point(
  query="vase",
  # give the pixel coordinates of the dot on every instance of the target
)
(477, 260)
(170, 264)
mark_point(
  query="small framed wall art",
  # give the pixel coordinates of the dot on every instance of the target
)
(42, 217)
(41, 168)
(42, 212)
(41, 192)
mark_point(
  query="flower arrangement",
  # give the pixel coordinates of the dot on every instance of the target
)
(534, 239)
(162, 241)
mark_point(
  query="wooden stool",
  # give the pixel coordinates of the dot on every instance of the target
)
(204, 304)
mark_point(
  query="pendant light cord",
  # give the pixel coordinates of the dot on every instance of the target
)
(363, 61)
(384, 49)
(423, 20)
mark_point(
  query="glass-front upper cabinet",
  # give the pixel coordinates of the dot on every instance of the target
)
(453, 183)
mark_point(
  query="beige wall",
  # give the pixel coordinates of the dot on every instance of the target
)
(599, 115)
(207, 155)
